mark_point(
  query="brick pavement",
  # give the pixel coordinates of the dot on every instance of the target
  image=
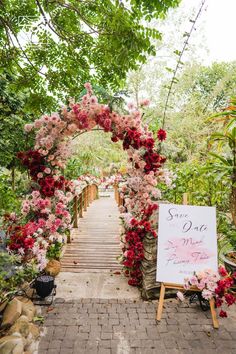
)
(91, 326)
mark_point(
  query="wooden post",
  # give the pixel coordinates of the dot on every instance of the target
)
(90, 194)
(75, 212)
(68, 237)
(185, 199)
(87, 196)
(81, 205)
(116, 192)
(84, 199)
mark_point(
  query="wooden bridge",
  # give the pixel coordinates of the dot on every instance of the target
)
(94, 244)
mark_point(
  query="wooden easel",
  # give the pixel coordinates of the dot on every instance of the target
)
(165, 286)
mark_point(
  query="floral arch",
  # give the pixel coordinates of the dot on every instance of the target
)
(45, 209)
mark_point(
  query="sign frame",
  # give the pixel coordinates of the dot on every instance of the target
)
(164, 286)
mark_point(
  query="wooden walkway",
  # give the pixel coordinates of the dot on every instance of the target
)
(95, 244)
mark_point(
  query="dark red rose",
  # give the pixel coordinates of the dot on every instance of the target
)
(230, 299)
(223, 314)
(114, 139)
(161, 134)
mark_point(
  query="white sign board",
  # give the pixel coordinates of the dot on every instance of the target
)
(187, 241)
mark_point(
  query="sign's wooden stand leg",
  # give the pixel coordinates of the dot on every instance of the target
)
(180, 287)
(161, 302)
(213, 313)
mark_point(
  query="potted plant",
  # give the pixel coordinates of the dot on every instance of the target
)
(225, 165)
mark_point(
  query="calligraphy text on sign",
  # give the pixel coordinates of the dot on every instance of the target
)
(186, 249)
(186, 241)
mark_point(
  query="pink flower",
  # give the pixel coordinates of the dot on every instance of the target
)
(207, 294)
(47, 170)
(144, 102)
(28, 127)
(93, 100)
(40, 175)
(88, 86)
(72, 127)
(180, 296)
(130, 105)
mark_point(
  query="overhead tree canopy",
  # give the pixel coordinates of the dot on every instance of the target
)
(57, 45)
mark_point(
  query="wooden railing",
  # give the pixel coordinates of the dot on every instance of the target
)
(119, 200)
(82, 202)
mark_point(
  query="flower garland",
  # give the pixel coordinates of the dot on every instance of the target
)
(213, 284)
(46, 208)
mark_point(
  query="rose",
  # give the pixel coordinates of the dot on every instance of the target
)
(161, 134)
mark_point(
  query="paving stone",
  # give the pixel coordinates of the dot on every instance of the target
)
(55, 344)
(106, 335)
(53, 351)
(100, 326)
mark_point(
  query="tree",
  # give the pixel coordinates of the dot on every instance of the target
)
(57, 45)
(13, 117)
(200, 91)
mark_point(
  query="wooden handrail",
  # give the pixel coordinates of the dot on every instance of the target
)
(82, 201)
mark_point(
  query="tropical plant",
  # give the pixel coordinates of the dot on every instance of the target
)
(226, 156)
(204, 186)
(13, 274)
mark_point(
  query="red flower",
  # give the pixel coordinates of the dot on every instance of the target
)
(219, 302)
(222, 271)
(133, 282)
(230, 299)
(28, 243)
(161, 134)
(114, 138)
(222, 314)
(149, 143)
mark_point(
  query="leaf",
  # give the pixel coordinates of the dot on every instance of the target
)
(39, 319)
(177, 52)
(169, 69)
(222, 159)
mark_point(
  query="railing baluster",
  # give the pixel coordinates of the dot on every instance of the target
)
(75, 212)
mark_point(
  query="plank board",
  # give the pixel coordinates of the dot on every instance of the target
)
(95, 245)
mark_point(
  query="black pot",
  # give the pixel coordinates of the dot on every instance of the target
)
(44, 285)
(230, 266)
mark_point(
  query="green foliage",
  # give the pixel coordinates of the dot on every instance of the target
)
(54, 250)
(68, 43)
(226, 228)
(12, 274)
(94, 152)
(203, 186)
(10, 200)
(226, 156)
(200, 92)
(13, 117)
